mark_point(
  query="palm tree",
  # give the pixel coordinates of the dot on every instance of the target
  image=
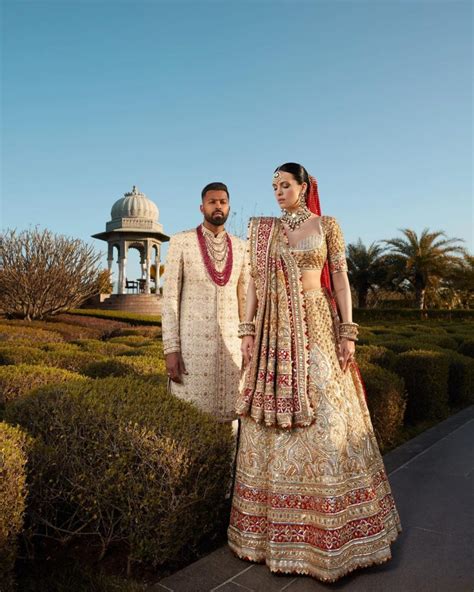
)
(365, 269)
(423, 259)
(457, 288)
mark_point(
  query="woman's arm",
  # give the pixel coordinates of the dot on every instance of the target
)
(246, 347)
(342, 294)
(342, 289)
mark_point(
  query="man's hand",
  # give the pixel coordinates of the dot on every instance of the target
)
(175, 366)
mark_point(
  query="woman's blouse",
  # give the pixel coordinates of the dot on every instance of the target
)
(312, 251)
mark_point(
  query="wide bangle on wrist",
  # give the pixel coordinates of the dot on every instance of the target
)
(348, 331)
(246, 329)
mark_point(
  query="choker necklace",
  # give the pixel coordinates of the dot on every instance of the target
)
(297, 218)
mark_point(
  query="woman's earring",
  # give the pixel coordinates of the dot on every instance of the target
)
(302, 199)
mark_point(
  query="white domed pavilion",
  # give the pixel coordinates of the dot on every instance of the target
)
(134, 224)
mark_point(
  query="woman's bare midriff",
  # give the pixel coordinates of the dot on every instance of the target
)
(311, 280)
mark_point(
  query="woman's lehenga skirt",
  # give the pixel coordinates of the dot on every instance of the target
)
(315, 500)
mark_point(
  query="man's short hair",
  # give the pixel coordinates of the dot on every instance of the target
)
(216, 186)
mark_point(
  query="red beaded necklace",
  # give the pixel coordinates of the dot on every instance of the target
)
(218, 277)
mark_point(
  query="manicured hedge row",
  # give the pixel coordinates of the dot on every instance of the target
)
(426, 378)
(61, 356)
(129, 317)
(386, 401)
(374, 314)
(21, 354)
(66, 331)
(143, 469)
(103, 348)
(10, 332)
(140, 365)
(467, 348)
(16, 381)
(460, 379)
(14, 449)
(376, 354)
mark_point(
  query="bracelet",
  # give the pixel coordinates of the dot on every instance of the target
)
(349, 331)
(246, 329)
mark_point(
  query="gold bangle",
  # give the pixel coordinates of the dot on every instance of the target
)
(349, 331)
(246, 329)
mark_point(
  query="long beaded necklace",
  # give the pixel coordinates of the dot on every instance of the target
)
(213, 254)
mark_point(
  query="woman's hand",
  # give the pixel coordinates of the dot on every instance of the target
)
(246, 347)
(346, 353)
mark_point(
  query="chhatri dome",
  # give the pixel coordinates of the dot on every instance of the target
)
(134, 224)
(134, 211)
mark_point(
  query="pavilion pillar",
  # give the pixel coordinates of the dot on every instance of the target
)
(122, 268)
(157, 268)
(147, 267)
(122, 275)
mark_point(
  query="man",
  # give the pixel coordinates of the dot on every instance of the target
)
(205, 283)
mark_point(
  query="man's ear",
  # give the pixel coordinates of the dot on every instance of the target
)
(202, 209)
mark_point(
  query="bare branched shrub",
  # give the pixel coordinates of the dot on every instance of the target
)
(42, 273)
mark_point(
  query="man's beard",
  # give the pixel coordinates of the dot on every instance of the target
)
(216, 221)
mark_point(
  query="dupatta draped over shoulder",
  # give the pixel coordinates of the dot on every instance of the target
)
(275, 387)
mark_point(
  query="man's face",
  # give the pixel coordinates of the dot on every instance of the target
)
(215, 207)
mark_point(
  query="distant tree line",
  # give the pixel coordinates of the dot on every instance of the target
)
(42, 273)
(429, 270)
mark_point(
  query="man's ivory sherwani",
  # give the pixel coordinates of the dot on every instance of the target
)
(201, 320)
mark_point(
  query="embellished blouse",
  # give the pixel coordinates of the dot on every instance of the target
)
(312, 251)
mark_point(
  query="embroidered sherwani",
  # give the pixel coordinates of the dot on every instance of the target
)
(201, 319)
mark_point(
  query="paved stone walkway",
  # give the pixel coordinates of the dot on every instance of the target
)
(432, 482)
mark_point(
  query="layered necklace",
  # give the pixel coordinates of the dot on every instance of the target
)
(217, 255)
(294, 219)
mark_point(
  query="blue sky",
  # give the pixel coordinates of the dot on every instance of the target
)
(373, 97)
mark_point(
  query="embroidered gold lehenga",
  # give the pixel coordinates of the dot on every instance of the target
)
(311, 494)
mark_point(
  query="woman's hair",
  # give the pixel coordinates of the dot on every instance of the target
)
(297, 170)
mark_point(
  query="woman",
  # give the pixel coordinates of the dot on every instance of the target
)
(311, 494)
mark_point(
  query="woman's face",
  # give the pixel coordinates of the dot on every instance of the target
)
(287, 190)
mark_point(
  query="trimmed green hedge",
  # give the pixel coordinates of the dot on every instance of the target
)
(21, 354)
(74, 361)
(103, 348)
(467, 348)
(460, 379)
(17, 381)
(375, 354)
(66, 331)
(143, 330)
(426, 379)
(58, 356)
(374, 314)
(143, 365)
(133, 340)
(129, 317)
(14, 449)
(10, 332)
(386, 401)
(147, 350)
(127, 463)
